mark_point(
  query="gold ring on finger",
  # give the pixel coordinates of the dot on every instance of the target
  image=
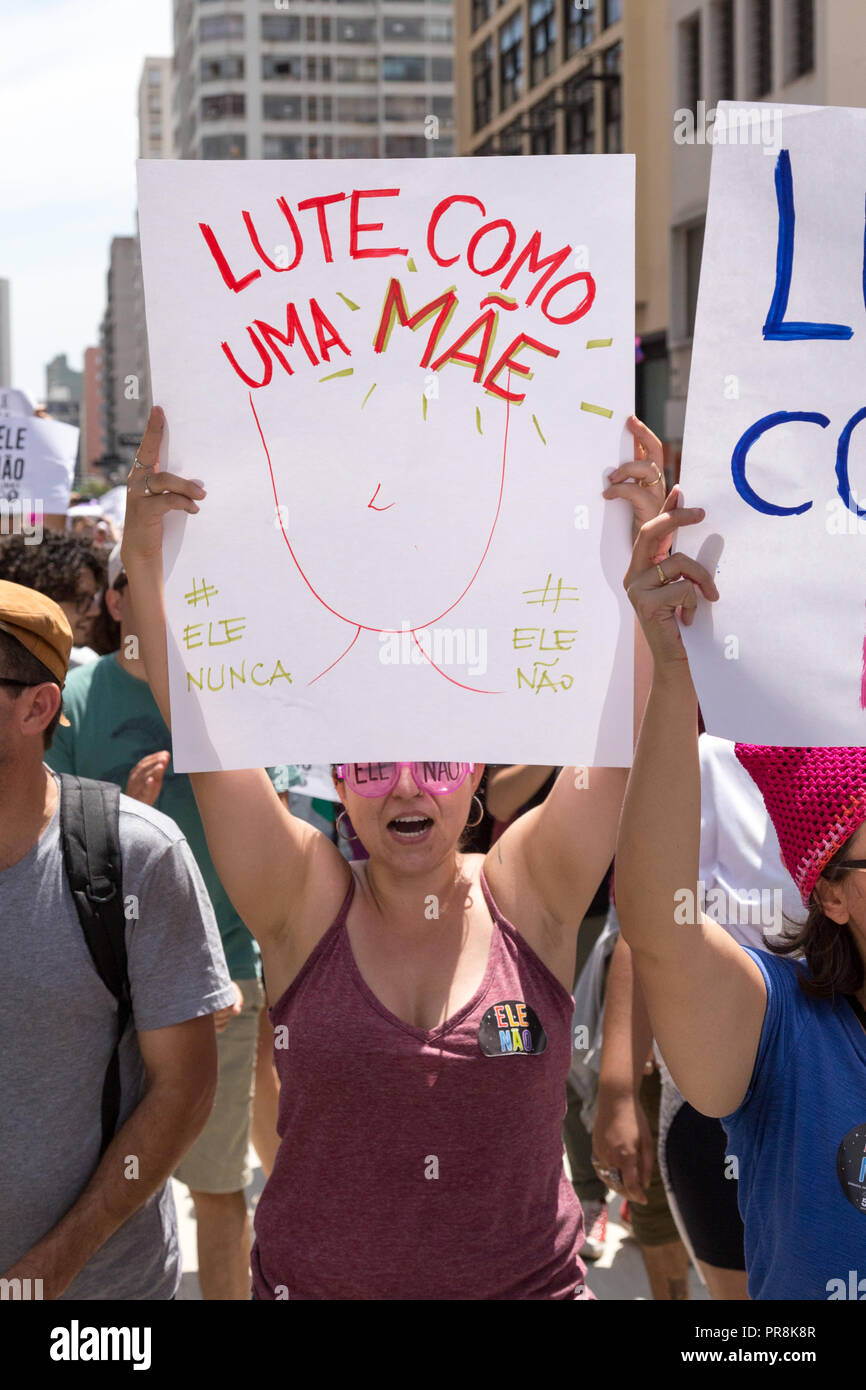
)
(663, 579)
(651, 482)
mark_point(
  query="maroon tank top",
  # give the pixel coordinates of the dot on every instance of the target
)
(421, 1164)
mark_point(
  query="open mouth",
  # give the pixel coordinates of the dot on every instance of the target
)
(410, 827)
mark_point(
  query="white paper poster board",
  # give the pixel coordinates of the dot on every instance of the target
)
(14, 402)
(774, 447)
(403, 383)
(37, 463)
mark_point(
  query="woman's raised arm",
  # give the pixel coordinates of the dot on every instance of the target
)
(706, 996)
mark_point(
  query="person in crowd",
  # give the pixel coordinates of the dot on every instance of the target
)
(748, 891)
(629, 1083)
(771, 1042)
(90, 1224)
(66, 569)
(512, 790)
(116, 733)
(420, 1020)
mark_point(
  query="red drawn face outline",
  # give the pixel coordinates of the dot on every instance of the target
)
(365, 627)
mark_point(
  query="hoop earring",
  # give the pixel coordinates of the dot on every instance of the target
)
(340, 835)
(471, 824)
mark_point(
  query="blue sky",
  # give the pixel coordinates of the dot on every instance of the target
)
(69, 72)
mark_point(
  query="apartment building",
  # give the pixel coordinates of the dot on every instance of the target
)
(155, 110)
(313, 79)
(562, 77)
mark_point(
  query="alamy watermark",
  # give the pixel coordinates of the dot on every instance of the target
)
(756, 907)
(759, 125)
(444, 646)
(22, 517)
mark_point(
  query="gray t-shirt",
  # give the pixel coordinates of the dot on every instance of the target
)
(57, 1030)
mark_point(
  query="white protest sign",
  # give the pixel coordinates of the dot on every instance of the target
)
(37, 463)
(403, 384)
(315, 780)
(772, 447)
(14, 402)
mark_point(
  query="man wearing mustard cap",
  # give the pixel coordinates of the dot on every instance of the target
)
(90, 1227)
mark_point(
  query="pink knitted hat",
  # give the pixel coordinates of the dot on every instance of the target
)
(816, 799)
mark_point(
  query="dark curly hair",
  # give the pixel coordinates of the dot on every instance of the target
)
(835, 966)
(52, 567)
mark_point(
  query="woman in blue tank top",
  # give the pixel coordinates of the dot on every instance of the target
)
(772, 1042)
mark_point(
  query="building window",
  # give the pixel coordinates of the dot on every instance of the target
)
(440, 29)
(579, 95)
(542, 37)
(154, 77)
(481, 10)
(761, 48)
(403, 30)
(407, 146)
(357, 69)
(219, 69)
(613, 100)
(441, 70)
(511, 60)
(282, 28)
(542, 127)
(281, 69)
(612, 12)
(482, 84)
(511, 138)
(356, 31)
(579, 25)
(363, 110)
(320, 147)
(319, 109)
(800, 36)
(281, 108)
(408, 108)
(690, 62)
(357, 147)
(224, 147)
(228, 104)
(221, 26)
(282, 147)
(399, 69)
(722, 48)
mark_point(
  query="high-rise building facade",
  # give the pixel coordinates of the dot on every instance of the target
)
(312, 79)
(125, 393)
(93, 443)
(63, 390)
(581, 77)
(155, 107)
(783, 52)
(5, 334)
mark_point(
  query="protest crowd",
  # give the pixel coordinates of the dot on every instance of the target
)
(477, 378)
(374, 981)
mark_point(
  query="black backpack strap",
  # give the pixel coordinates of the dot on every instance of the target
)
(90, 835)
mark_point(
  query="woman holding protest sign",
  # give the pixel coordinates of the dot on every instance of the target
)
(775, 1048)
(422, 1039)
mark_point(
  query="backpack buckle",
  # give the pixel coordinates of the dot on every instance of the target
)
(102, 890)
